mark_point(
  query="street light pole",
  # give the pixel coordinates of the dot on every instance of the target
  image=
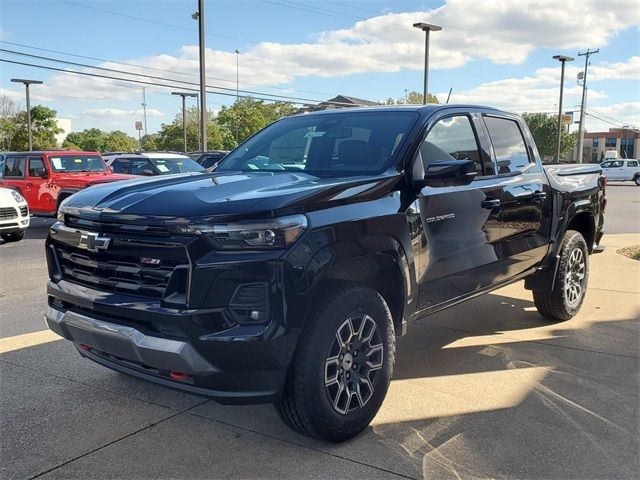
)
(26, 84)
(426, 27)
(199, 15)
(184, 113)
(586, 56)
(563, 59)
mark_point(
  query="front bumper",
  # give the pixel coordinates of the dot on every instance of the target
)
(244, 364)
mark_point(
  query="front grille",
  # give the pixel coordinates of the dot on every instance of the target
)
(117, 272)
(113, 227)
(24, 211)
(8, 213)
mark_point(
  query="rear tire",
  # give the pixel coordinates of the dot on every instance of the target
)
(342, 367)
(13, 237)
(570, 287)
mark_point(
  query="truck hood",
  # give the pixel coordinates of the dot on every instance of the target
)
(228, 195)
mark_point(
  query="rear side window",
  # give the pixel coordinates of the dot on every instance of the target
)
(15, 167)
(508, 144)
(632, 163)
(36, 167)
(451, 138)
(120, 166)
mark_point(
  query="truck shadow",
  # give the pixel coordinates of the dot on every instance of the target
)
(483, 389)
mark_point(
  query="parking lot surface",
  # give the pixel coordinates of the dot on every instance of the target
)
(483, 390)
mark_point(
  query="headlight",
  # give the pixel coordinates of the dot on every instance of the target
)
(269, 234)
(17, 197)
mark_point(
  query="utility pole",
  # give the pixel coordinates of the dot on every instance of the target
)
(26, 84)
(426, 28)
(586, 56)
(184, 114)
(563, 59)
(237, 94)
(144, 109)
(199, 15)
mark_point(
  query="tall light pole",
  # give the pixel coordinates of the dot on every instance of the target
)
(563, 59)
(426, 27)
(586, 56)
(184, 113)
(199, 15)
(26, 84)
(237, 93)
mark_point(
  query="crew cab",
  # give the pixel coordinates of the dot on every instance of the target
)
(286, 274)
(46, 178)
(621, 170)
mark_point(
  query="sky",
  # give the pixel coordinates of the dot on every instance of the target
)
(491, 52)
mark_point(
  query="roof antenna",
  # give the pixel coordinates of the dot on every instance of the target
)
(449, 96)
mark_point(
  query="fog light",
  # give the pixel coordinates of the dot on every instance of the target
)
(255, 315)
(24, 222)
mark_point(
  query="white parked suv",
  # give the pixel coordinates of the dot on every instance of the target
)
(14, 215)
(621, 170)
(151, 163)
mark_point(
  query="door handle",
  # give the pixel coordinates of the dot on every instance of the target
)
(539, 196)
(490, 203)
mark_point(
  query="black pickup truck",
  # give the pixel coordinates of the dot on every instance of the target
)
(286, 274)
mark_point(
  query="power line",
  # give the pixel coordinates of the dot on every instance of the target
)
(272, 97)
(191, 75)
(148, 20)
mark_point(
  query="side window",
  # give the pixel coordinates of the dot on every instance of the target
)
(120, 166)
(451, 138)
(632, 163)
(140, 165)
(36, 167)
(508, 144)
(14, 167)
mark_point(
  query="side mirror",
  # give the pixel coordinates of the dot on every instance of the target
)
(443, 173)
(146, 172)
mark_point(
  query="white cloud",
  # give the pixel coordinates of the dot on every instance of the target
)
(602, 118)
(118, 113)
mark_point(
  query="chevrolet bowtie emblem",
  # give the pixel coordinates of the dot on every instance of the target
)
(93, 242)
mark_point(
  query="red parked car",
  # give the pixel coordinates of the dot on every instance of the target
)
(48, 177)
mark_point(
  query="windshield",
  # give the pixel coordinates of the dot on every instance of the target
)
(77, 163)
(176, 165)
(336, 144)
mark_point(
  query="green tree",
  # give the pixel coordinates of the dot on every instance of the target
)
(415, 98)
(170, 136)
(44, 128)
(248, 115)
(118, 141)
(90, 139)
(149, 142)
(544, 128)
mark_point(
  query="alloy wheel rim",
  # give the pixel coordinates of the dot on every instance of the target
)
(576, 273)
(352, 364)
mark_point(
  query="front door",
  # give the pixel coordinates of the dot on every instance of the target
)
(461, 224)
(36, 189)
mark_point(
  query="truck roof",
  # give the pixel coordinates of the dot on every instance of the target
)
(424, 109)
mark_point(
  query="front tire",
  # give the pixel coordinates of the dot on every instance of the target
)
(13, 237)
(637, 180)
(570, 287)
(343, 366)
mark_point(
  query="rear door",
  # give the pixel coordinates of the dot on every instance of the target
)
(461, 224)
(526, 201)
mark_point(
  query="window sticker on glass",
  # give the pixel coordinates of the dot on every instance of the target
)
(57, 162)
(163, 168)
(314, 134)
(77, 160)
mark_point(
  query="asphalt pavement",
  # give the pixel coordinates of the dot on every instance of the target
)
(486, 389)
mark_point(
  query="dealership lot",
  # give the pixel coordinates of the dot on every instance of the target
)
(485, 389)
